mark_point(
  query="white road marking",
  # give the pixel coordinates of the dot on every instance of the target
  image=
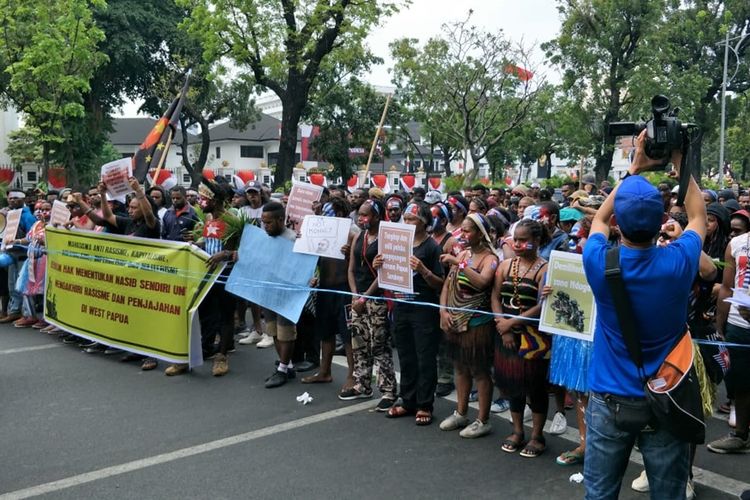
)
(29, 349)
(143, 463)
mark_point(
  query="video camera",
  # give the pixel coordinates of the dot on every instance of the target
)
(665, 133)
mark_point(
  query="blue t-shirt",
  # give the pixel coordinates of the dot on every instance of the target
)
(658, 281)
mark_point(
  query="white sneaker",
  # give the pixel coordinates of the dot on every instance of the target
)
(265, 341)
(527, 414)
(559, 425)
(732, 417)
(640, 483)
(476, 429)
(251, 338)
(689, 490)
(454, 421)
(243, 333)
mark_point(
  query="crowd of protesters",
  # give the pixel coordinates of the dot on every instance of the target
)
(480, 256)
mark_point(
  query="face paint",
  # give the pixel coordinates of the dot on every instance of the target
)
(523, 247)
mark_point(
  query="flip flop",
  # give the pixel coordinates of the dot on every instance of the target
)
(398, 412)
(511, 445)
(423, 417)
(532, 450)
(570, 458)
(315, 379)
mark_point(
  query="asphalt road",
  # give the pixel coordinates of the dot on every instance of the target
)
(76, 425)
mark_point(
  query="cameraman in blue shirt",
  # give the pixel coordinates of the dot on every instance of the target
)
(657, 280)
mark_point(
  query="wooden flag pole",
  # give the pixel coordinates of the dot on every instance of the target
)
(162, 159)
(377, 134)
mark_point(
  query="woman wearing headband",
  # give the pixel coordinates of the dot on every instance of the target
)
(469, 333)
(417, 327)
(522, 360)
(371, 340)
(459, 208)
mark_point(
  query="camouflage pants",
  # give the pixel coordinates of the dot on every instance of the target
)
(371, 343)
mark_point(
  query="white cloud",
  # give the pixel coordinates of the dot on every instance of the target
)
(530, 21)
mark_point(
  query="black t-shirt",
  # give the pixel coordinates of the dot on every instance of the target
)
(129, 227)
(429, 253)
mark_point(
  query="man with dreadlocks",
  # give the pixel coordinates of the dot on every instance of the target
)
(216, 312)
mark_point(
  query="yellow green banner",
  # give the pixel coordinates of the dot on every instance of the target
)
(137, 294)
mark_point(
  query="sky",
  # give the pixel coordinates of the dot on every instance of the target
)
(530, 21)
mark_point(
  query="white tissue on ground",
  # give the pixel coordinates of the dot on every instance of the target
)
(576, 478)
(304, 398)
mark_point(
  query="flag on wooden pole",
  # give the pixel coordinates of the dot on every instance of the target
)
(156, 144)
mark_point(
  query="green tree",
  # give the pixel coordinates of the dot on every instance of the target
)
(465, 79)
(48, 54)
(284, 45)
(24, 146)
(347, 116)
(603, 48)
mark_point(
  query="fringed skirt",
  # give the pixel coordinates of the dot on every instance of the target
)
(474, 347)
(516, 376)
(569, 366)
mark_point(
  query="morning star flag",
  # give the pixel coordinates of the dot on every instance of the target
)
(156, 144)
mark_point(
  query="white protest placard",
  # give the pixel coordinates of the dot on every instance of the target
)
(13, 219)
(300, 203)
(60, 213)
(323, 236)
(115, 175)
(570, 310)
(395, 244)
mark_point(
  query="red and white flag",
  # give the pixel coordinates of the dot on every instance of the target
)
(352, 183)
(435, 184)
(209, 174)
(318, 179)
(381, 181)
(7, 175)
(166, 179)
(245, 176)
(56, 178)
(408, 181)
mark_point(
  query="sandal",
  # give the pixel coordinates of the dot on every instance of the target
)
(513, 442)
(534, 448)
(148, 364)
(423, 417)
(398, 412)
(574, 457)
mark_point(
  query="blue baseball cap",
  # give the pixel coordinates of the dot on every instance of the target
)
(639, 207)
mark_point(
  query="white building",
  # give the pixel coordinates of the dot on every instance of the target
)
(9, 121)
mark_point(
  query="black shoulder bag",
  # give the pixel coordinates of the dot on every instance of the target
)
(673, 393)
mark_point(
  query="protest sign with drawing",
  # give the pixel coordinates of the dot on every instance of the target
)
(60, 214)
(13, 219)
(115, 175)
(395, 244)
(323, 236)
(570, 310)
(300, 203)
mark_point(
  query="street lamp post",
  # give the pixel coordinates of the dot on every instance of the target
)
(724, 82)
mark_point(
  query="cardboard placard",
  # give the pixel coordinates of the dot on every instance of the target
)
(323, 236)
(13, 219)
(60, 214)
(570, 310)
(300, 203)
(395, 244)
(115, 175)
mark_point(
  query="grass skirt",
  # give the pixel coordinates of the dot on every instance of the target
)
(474, 347)
(515, 376)
(569, 365)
